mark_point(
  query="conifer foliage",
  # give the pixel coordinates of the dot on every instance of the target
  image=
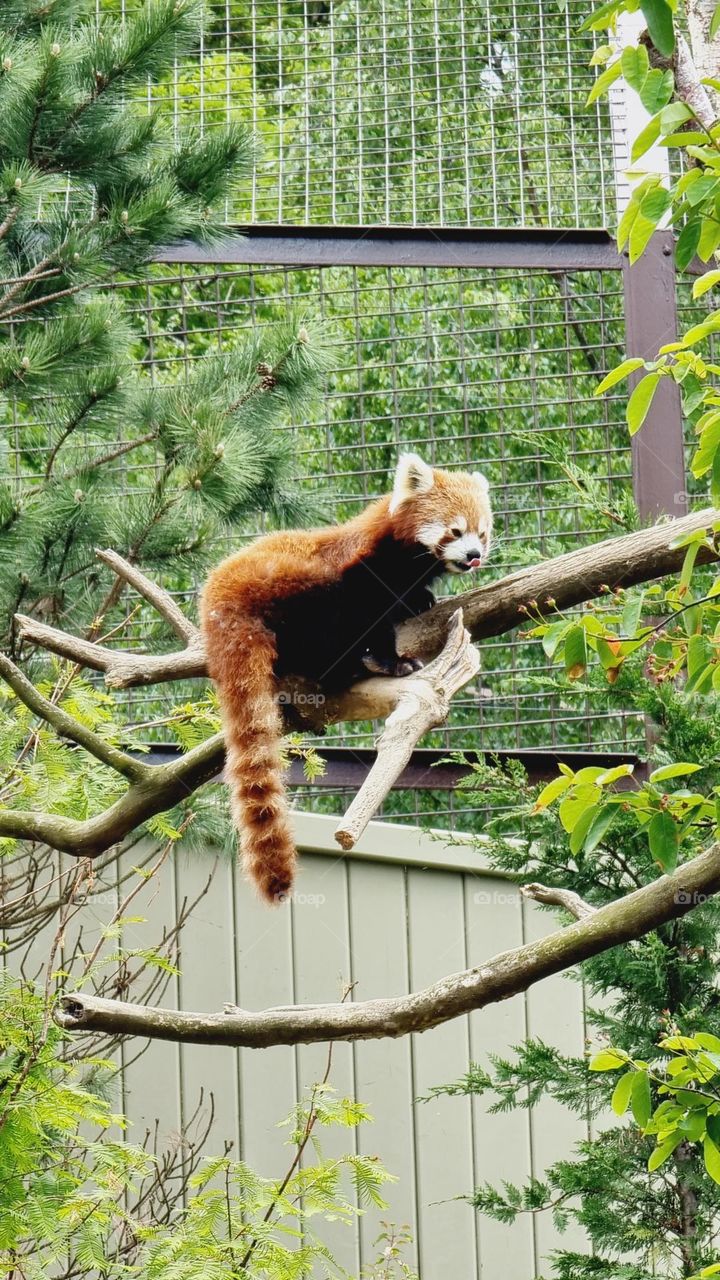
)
(93, 183)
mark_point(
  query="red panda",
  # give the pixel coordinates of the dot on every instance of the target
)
(324, 603)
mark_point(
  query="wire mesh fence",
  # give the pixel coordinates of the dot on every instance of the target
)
(406, 111)
(409, 112)
(474, 369)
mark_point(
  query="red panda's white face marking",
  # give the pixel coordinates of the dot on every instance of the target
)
(447, 512)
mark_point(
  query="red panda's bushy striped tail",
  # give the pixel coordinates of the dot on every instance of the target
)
(241, 653)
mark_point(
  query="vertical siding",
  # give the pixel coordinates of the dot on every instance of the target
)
(383, 1068)
(502, 1142)
(388, 928)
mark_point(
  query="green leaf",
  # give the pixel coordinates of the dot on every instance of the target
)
(663, 840)
(712, 32)
(635, 65)
(603, 82)
(553, 636)
(712, 1124)
(639, 403)
(687, 243)
(706, 282)
(663, 1150)
(602, 17)
(674, 114)
(711, 1154)
(631, 613)
(641, 233)
(581, 829)
(715, 481)
(702, 330)
(658, 16)
(640, 1099)
(620, 1100)
(612, 775)
(646, 139)
(704, 189)
(619, 372)
(552, 791)
(679, 770)
(575, 653)
(608, 1060)
(700, 653)
(709, 239)
(574, 806)
(600, 824)
(655, 204)
(657, 91)
(708, 1041)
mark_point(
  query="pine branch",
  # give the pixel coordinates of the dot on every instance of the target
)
(505, 975)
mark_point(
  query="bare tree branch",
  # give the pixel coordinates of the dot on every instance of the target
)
(553, 897)
(154, 594)
(507, 974)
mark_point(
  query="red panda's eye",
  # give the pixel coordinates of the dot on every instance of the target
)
(456, 531)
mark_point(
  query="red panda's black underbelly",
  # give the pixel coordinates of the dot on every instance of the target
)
(323, 633)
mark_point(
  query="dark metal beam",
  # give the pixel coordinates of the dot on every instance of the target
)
(333, 246)
(347, 767)
(650, 322)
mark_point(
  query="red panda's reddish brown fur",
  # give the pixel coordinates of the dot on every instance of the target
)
(240, 600)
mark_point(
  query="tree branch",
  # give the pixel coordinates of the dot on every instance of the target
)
(507, 974)
(553, 897)
(155, 595)
(68, 727)
(160, 787)
(560, 583)
(568, 580)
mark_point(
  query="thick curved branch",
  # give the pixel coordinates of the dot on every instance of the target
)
(160, 788)
(503, 976)
(567, 580)
(560, 583)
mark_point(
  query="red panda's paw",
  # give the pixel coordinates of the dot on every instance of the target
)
(391, 666)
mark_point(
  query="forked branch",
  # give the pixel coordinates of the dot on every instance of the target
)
(419, 702)
(423, 703)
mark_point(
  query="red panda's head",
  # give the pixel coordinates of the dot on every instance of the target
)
(448, 512)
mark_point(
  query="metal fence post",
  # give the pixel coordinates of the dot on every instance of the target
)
(651, 321)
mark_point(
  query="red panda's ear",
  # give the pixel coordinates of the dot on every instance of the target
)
(482, 482)
(412, 477)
